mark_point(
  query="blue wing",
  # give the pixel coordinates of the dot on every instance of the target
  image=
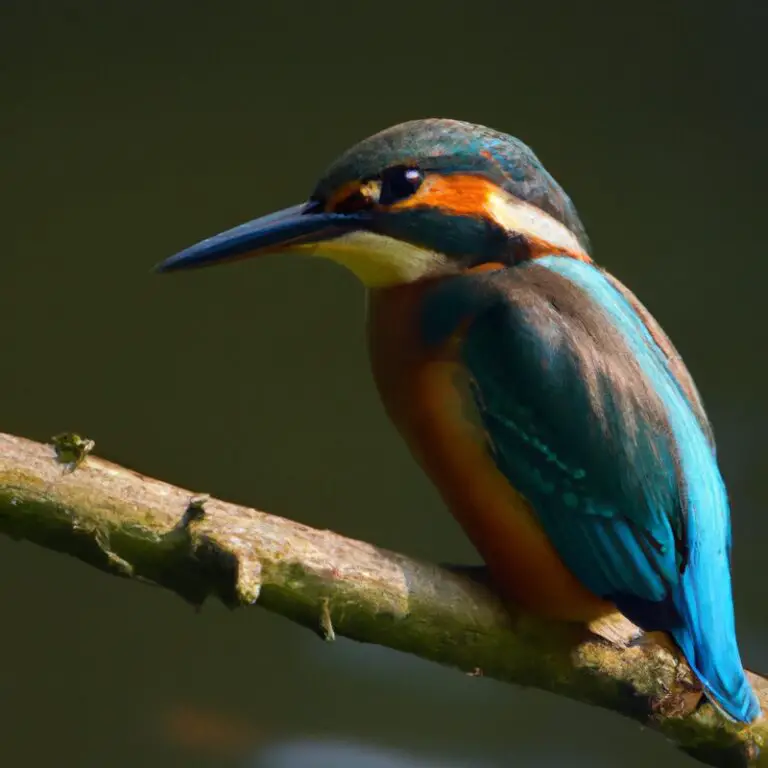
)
(594, 418)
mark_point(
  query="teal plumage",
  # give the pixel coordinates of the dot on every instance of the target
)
(586, 418)
(452, 147)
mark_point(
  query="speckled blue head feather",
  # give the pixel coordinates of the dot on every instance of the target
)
(453, 146)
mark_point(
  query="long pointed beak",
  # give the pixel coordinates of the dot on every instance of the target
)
(300, 225)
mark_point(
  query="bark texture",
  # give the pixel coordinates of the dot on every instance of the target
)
(136, 527)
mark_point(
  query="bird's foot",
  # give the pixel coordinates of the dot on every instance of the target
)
(683, 697)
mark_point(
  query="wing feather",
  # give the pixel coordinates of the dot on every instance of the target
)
(591, 414)
(575, 422)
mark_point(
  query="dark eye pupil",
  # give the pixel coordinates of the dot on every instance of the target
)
(399, 183)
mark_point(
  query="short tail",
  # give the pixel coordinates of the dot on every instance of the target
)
(722, 676)
(703, 597)
(707, 638)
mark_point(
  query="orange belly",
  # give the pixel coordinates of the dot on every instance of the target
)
(425, 397)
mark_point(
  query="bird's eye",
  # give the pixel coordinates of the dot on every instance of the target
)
(398, 183)
(392, 186)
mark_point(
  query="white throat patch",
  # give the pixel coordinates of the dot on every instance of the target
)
(540, 228)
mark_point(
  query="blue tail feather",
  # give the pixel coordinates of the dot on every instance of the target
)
(703, 593)
(707, 638)
(721, 675)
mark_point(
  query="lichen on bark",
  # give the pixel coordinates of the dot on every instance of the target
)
(136, 527)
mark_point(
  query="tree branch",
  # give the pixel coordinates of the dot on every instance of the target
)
(137, 527)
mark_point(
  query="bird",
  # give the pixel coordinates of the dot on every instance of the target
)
(550, 410)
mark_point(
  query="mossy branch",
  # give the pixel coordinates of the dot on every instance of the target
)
(137, 527)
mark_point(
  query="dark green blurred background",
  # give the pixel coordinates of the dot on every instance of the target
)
(129, 130)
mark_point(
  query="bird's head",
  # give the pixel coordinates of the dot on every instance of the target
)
(421, 199)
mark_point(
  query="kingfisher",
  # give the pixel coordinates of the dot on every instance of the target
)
(548, 407)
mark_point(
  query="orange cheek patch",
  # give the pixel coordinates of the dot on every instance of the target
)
(457, 194)
(341, 194)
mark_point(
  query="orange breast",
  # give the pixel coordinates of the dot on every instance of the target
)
(425, 395)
